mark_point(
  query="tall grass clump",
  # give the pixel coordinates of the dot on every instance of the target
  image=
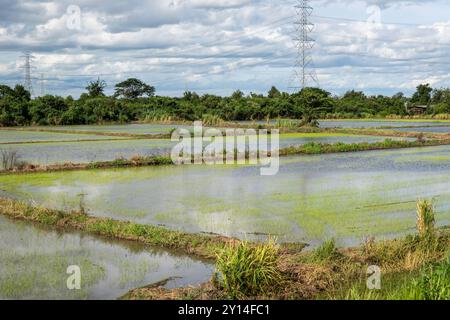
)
(158, 116)
(211, 120)
(425, 218)
(327, 252)
(246, 270)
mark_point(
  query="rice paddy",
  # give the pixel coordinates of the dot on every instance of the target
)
(45, 148)
(347, 197)
(19, 136)
(34, 262)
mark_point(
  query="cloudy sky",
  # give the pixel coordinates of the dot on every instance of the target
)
(218, 46)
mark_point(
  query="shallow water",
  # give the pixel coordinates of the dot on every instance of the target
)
(358, 124)
(92, 151)
(377, 124)
(125, 128)
(34, 261)
(443, 129)
(10, 136)
(347, 196)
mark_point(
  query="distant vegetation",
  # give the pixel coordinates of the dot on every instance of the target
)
(135, 100)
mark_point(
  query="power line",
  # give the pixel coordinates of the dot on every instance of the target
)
(365, 21)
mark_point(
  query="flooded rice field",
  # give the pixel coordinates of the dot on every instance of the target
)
(92, 151)
(360, 124)
(443, 129)
(357, 124)
(348, 196)
(19, 136)
(34, 262)
(156, 129)
(122, 128)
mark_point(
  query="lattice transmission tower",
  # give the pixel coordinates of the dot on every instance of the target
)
(304, 71)
(28, 84)
(42, 82)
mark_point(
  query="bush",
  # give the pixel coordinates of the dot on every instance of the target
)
(245, 270)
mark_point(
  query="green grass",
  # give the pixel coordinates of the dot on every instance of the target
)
(323, 148)
(327, 252)
(246, 270)
(199, 245)
(432, 282)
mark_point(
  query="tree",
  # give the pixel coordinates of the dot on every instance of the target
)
(191, 96)
(274, 93)
(133, 88)
(96, 88)
(441, 96)
(422, 95)
(237, 95)
(398, 95)
(352, 94)
(21, 94)
(6, 91)
(311, 103)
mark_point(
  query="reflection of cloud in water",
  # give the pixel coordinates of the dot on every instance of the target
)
(109, 268)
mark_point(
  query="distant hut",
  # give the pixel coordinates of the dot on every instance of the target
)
(416, 109)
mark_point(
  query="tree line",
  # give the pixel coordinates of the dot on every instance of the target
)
(134, 100)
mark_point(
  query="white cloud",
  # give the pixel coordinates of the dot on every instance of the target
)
(216, 44)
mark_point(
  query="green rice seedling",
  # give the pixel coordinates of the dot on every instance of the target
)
(245, 270)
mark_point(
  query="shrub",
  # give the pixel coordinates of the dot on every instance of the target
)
(245, 270)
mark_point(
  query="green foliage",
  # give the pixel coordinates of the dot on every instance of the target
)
(133, 89)
(135, 100)
(422, 95)
(246, 270)
(311, 104)
(96, 88)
